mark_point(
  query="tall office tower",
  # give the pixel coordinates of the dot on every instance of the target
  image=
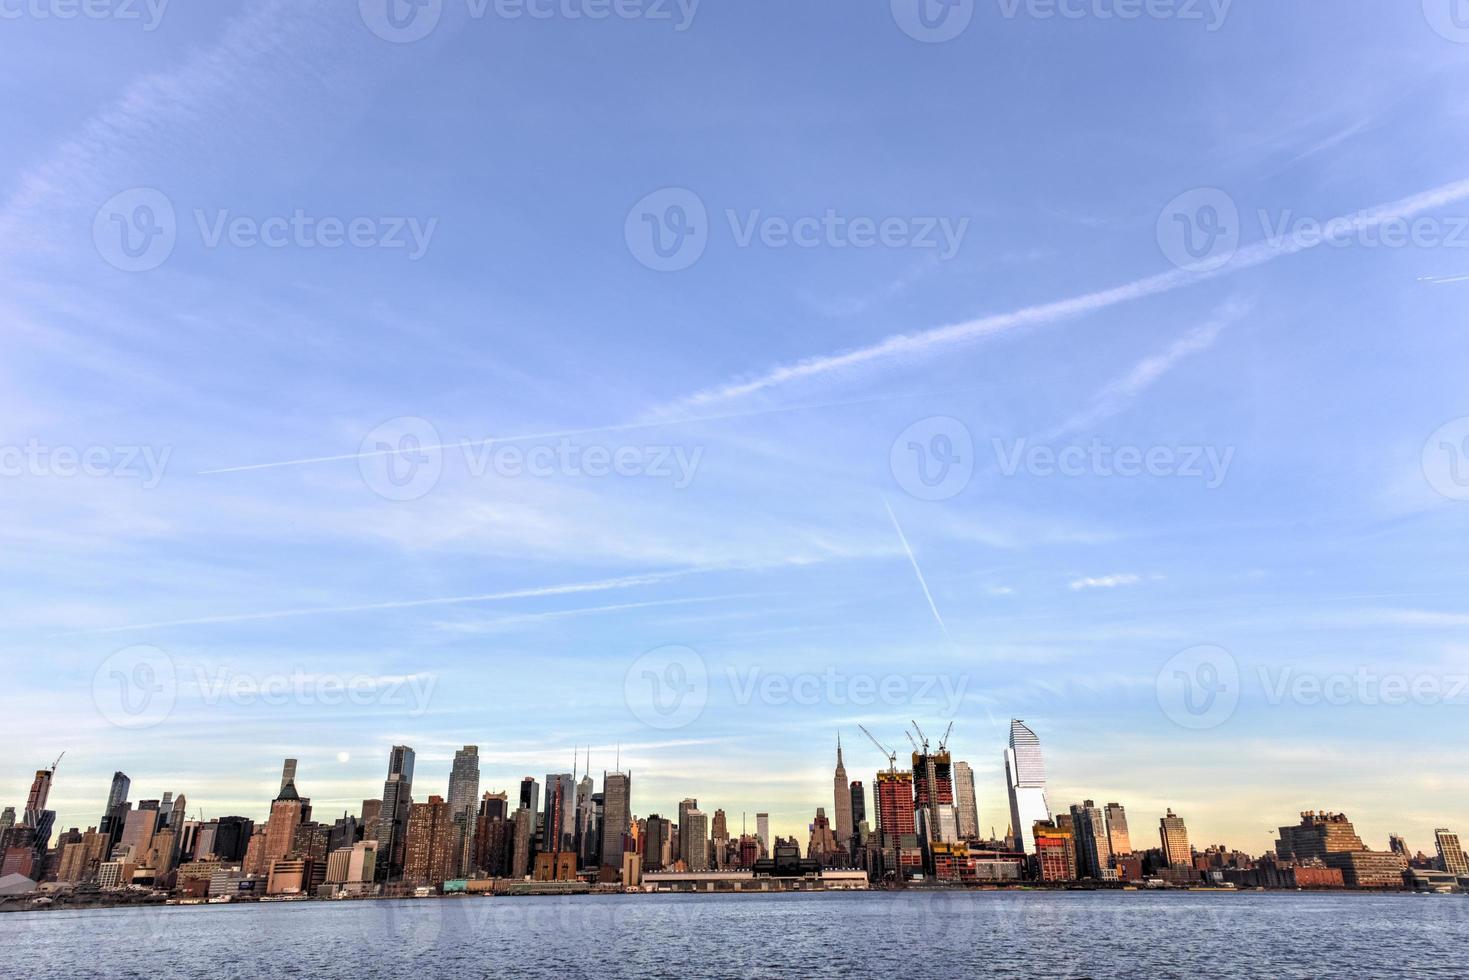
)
(560, 815)
(823, 845)
(117, 794)
(371, 811)
(287, 813)
(1397, 845)
(530, 794)
(616, 816)
(288, 776)
(655, 840)
(525, 828)
(392, 821)
(7, 819)
(35, 812)
(1117, 836)
(428, 851)
(137, 833)
(762, 831)
(1450, 854)
(463, 799)
(684, 837)
(966, 801)
(695, 839)
(232, 837)
(588, 837)
(1025, 777)
(1093, 846)
(115, 815)
(896, 822)
(494, 836)
(1174, 837)
(859, 803)
(842, 797)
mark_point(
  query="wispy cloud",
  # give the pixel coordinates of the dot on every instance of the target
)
(1105, 582)
(1120, 393)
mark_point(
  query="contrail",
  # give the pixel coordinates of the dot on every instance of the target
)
(626, 582)
(594, 430)
(925, 341)
(918, 571)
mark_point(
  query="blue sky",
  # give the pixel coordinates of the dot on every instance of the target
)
(770, 399)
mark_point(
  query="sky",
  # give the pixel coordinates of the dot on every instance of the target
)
(692, 384)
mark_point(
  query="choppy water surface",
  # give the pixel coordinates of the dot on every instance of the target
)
(909, 934)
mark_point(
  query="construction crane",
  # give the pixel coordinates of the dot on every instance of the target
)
(944, 742)
(57, 762)
(921, 737)
(910, 740)
(892, 756)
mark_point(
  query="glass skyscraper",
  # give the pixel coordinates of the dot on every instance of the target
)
(1025, 776)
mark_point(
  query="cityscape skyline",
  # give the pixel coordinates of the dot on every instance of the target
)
(1032, 793)
(1022, 456)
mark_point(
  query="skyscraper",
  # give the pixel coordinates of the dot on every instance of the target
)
(115, 815)
(1174, 837)
(695, 840)
(1025, 777)
(287, 812)
(1093, 846)
(560, 815)
(1450, 854)
(842, 797)
(1117, 835)
(859, 803)
(616, 816)
(392, 824)
(966, 801)
(428, 852)
(896, 823)
(463, 800)
(762, 831)
(684, 834)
